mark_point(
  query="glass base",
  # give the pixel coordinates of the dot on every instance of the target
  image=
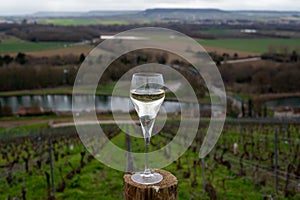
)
(148, 179)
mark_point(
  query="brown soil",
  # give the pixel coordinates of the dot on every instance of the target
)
(75, 50)
(220, 51)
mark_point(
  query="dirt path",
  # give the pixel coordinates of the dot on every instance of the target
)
(58, 125)
(241, 60)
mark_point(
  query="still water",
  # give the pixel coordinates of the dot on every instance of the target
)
(64, 103)
(104, 103)
(294, 102)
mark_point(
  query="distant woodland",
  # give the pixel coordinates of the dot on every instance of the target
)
(39, 32)
(27, 72)
(278, 72)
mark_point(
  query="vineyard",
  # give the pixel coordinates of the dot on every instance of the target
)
(252, 160)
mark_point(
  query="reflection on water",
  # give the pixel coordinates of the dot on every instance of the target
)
(102, 103)
(295, 102)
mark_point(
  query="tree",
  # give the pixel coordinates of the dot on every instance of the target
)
(21, 58)
(294, 56)
(215, 57)
(262, 79)
(24, 21)
(7, 59)
(1, 61)
(250, 106)
(265, 112)
(161, 58)
(225, 56)
(141, 59)
(243, 109)
(6, 111)
(81, 57)
(235, 56)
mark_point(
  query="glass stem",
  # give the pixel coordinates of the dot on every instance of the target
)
(147, 124)
(147, 171)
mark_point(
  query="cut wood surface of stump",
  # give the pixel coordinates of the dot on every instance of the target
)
(167, 189)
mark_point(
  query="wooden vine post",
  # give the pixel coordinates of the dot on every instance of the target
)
(166, 189)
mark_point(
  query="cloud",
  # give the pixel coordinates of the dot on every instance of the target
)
(234, 4)
(30, 6)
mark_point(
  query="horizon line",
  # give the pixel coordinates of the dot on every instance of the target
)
(141, 10)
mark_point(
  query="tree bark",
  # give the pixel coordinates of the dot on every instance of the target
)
(166, 189)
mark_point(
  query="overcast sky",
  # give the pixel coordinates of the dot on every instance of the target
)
(8, 7)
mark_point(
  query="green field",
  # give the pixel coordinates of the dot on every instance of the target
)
(67, 22)
(253, 45)
(215, 31)
(13, 44)
(101, 90)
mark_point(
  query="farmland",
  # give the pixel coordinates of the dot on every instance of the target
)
(101, 90)
(217, 31)
(253, 45)
(25, 163)
(13, 44)
(255, 157)
(61, 51)
(72, 22)
(244, 47)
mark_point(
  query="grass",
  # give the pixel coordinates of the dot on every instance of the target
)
(97, 181)
(215, 31)
(21, 131)
(101, 90)
(10, 40)
(69, 22)
(13, 44)
(252, 45)
(27, 127)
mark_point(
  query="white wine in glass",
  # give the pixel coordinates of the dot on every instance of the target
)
(147, 94)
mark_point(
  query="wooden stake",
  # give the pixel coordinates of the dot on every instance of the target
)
(166, 189)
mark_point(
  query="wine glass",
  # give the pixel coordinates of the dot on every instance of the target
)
(147, 94)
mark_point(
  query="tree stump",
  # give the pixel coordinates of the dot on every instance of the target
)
(165, 190)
